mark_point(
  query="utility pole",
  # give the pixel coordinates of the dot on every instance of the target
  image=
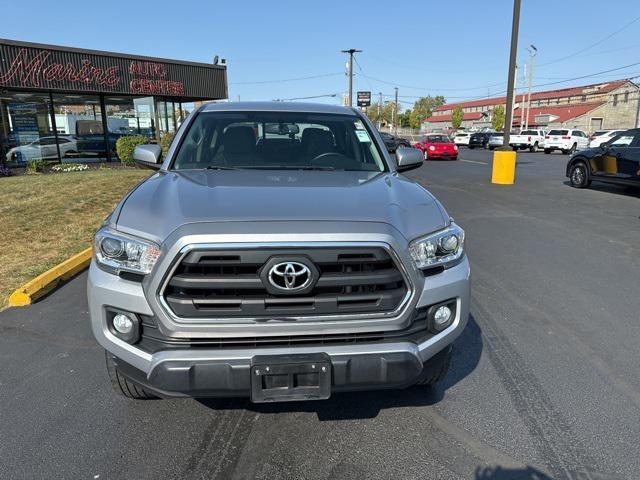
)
(351, 51)
(515, 89)
(395, 114)
(515, 93)
(512, 69)
(532, 58)
(380, 111)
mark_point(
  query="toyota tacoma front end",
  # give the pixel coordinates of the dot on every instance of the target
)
(277, 254)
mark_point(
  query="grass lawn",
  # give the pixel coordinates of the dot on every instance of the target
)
(46, 218)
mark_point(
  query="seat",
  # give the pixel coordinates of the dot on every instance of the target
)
(239, 146)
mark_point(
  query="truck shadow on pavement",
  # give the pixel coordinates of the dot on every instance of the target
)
(467, 350)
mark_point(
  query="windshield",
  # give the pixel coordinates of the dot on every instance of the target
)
(436, 139)
(278, 140)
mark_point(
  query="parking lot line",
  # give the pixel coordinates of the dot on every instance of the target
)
(473, 161)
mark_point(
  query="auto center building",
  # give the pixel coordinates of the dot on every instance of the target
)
(69, 104)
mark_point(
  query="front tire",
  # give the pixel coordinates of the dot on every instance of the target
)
(534, 148)
(547, 151)
(436, 368)
(122, 385)
(471, 147)
(579, 175)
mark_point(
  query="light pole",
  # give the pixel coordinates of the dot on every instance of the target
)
(351, 51)
(380, 111)
(512, 70)
(532, 58)
(395, 116)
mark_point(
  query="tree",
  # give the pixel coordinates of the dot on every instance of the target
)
(497, 120)
(386, 115)
(423, 108)
(404, 119)
(456, 117)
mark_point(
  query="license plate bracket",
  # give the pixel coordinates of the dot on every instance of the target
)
(289, 378)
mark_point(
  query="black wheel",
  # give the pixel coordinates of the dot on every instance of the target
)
(547, 151)
(471, 147)
(122, 385)
(534, 148)
(490, 148)
(436, 368)
(579, 175)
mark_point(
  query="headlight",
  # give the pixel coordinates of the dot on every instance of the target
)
(116, 252)
(444, 248)
(432, 148)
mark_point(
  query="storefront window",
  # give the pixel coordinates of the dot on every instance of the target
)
(80, 128)
(166, 116)
(128, 116)
(26, 130)
(145, 116)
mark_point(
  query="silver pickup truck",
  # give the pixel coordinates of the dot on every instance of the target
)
(278, 253)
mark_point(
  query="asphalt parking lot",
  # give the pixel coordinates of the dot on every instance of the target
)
(544, 384)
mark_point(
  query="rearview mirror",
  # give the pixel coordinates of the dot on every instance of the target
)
(408, 159)
(282, 128)
(149, 156)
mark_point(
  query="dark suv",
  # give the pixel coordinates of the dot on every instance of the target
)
(616, 161)
(479, 139)
(393, 143)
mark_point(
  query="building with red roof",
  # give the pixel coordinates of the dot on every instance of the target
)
(605, 105)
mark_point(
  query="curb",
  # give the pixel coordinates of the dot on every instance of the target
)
(47, 281)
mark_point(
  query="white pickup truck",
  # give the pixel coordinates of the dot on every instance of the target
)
(531, 139)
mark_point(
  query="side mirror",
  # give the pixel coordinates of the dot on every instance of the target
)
(148, 156)
(408, 159)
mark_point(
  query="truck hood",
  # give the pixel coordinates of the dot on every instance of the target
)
(168, 200)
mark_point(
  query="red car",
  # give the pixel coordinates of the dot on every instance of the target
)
(437, 145)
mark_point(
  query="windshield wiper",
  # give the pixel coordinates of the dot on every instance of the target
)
(316, 167)
(221, 167)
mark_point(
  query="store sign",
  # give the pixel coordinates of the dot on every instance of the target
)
(88, 72)
(364, 99)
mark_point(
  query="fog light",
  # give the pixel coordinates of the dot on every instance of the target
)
(122, 323)
(442, 317)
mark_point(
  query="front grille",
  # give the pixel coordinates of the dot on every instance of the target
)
(228, 283)
(152, 340)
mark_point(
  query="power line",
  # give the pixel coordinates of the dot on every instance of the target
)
(287, 79)
(627, 25)
(307, 98)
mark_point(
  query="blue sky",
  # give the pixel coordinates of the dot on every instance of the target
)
(458, 49)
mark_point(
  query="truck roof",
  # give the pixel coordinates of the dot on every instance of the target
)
(277, 107)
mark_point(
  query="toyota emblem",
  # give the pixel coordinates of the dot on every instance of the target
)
(290, 276)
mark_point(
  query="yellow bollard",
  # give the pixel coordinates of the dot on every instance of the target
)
(504, 168)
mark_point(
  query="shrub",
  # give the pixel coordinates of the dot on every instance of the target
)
(34, 166)
(126, 145)
(4, 171)
(165, 143)
(70, 167)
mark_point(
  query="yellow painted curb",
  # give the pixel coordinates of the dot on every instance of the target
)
(50, 279)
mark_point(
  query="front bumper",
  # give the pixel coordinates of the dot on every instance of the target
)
(224, 370)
